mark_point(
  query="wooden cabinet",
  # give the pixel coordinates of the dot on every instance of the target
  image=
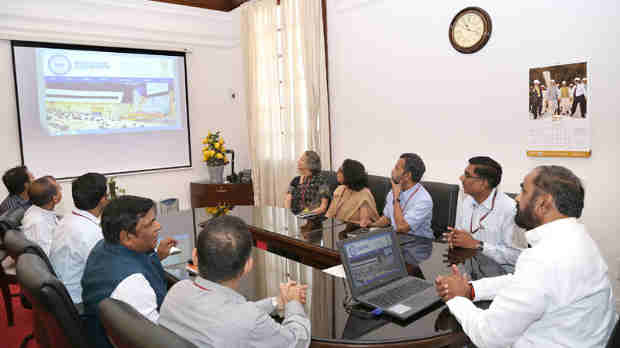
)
(203, 194)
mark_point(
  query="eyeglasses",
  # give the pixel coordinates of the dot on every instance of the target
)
(469, 176)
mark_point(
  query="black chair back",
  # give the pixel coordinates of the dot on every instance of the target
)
(56, 319)
(332, 180)
(614, 339)
(379, 186)
(445, 199)
(11, 220)
(127, 328)
(16, 244)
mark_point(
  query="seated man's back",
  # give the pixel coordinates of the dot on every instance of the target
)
(78, 232)
(209, 311)
(40, 219)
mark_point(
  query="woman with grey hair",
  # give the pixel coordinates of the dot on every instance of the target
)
(309, 192)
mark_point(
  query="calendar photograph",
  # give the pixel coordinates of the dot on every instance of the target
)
(558, 117)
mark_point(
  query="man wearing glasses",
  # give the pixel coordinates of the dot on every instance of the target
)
(486, 222)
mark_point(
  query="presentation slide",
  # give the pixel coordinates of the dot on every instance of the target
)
(103, 92)
(116, 110)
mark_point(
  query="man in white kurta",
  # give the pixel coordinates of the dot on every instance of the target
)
(559, 295)
(40, 219)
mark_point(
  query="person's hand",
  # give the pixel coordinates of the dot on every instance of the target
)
(460, 238)
(456, 256)
(453, 285)
(163, 250)
(291, 291)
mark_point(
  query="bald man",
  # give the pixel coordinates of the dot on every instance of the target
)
(40, 219)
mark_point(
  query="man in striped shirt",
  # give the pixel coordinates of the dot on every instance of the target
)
(17, 181)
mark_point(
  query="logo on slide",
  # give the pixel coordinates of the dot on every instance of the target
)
(59, 64)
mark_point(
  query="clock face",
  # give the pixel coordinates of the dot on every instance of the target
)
(470, 30)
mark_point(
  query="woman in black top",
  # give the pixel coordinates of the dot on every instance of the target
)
(309, 192)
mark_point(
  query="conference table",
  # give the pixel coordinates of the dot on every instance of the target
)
(288, 247)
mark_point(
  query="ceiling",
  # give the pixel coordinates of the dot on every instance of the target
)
(218, 5)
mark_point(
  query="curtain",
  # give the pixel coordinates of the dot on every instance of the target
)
(287, 111)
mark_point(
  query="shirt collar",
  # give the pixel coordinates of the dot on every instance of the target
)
(410, 190)
(39, 210)
(213, 286)
(543, 231)
(488, 203)
(87, 215)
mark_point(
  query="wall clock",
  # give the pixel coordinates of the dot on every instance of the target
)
(470, 30)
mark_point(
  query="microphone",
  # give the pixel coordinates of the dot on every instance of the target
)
(232, 178)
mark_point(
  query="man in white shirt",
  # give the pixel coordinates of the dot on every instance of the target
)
(77, 233)
(559, 294)
(486, 222)
(579, 97)
(124, 265)
(40, 219)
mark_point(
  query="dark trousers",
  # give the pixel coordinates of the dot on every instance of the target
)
(581, 100)
(537, 107)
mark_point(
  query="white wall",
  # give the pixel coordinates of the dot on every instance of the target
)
(397, 85)
(214, 66)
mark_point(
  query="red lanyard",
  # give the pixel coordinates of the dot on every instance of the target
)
(201, 287)
(74, 213)
(471, 221)
(411, 195)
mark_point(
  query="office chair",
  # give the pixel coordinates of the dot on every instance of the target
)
(445, 199)
(56, 319)
(127, 328)
(614, 339)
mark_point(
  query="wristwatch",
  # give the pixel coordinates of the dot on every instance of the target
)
(480, 245)
(397, 200)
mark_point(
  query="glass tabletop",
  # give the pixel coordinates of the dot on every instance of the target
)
(327, 295)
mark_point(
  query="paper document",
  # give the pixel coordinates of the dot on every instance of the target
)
(336, 271)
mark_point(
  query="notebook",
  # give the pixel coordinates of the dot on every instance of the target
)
(377, 275)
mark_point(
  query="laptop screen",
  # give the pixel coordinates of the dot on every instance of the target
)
(373, 260)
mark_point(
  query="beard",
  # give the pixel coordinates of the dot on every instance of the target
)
(526, 219)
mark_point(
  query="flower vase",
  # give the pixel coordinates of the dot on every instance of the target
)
(216, 174)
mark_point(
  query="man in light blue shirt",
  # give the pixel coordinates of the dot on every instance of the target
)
(412, 210)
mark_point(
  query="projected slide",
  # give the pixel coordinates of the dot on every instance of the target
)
(89, 92)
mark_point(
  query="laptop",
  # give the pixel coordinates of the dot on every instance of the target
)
(377, 275)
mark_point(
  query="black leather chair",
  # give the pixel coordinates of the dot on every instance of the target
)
(127, 328)
(56, 319)
(16, 244)
(379, 186)
(445, 199)
(511, 195)
(332, 180)
(11, 220)
(614, 339)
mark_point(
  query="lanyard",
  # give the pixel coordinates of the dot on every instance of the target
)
(471, 221)
(408, 199)
(200, 286)
(74, 213)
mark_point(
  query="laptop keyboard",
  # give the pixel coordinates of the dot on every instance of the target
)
(399, 293)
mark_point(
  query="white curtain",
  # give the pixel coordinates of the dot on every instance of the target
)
(306, 72)
(287, 114)
(284, 122)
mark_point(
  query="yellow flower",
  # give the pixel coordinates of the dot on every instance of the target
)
(219, 156)
(204, 141)
(204, 157)
(221, 141)
(211, 152)
(217, 145)
(209, 135)
(222, 149)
